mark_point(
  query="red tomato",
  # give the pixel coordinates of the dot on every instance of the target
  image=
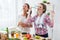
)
(28, 36)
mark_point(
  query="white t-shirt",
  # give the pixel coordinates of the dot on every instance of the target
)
(26, 29)
(40, 20)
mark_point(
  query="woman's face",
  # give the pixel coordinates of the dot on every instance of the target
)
(40, 9)
(25, 7)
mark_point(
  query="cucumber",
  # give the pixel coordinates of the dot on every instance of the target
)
(25, 38)
(37, 37)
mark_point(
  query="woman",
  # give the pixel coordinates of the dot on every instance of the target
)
(24, 26)
(41, 20)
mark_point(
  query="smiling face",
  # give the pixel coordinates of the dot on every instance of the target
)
(41, 8)
(26, 7)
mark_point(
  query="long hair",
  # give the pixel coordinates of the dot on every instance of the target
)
(44, 7)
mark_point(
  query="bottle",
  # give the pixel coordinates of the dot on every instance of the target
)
(7, 33)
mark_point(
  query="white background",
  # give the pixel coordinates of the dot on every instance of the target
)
(8, 14)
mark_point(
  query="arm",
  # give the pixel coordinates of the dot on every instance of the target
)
(30, 20)
(30, 25)
(48, 21)
(22, 24)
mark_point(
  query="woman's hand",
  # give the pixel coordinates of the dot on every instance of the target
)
(52, 14)
(30, 25)
(52, 17)
(22, 24)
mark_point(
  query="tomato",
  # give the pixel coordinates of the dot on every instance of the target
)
(28, 36)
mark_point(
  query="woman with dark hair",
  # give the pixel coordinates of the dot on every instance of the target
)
(41, 20)
(24, 26)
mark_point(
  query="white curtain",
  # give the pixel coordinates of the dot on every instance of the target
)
(7, 13)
